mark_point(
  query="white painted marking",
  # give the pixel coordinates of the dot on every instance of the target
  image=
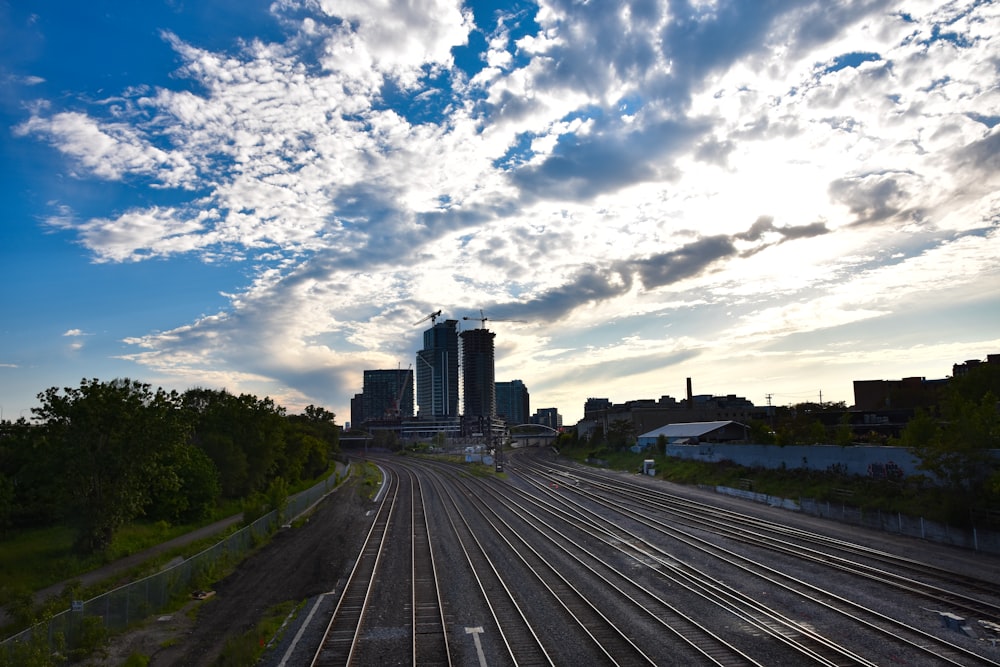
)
(475, 632)
(298, 635)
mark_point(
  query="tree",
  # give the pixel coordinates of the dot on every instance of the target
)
(318, 414)
(958, 445)
(843, 435)
(760, 432)
(35, 494)
(621, 434)
(243, 435)
(114, 441)
(189, 492)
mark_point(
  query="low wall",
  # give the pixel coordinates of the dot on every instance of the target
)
(975, 538)
(855, 460)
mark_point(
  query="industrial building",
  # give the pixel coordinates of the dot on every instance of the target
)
(693, 433)
(648, 414)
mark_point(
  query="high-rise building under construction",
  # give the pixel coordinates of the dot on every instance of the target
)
(479, 390)
(437, 372)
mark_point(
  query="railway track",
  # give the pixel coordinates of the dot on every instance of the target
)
(340, 640)
(558, 566)
(977, 597)
(913, 639)
(523, 645)
(804, 645)
(430, 639)
(692, 642)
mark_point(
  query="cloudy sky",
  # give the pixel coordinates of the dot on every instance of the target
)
(771, 198)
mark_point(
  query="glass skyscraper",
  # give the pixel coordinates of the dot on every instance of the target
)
(437, 372)
(513, 402)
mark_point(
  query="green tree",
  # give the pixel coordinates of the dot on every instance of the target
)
(243, 435)
(959, 452)
(621, 434)
(760, 432)
(189, 492)
(958, 444)
(312, 439)
(843, 435)
(114, 440)
(799, 426)
(34, 471)
(7, 499)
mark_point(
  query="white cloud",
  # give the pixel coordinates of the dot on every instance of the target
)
(599, 173)
(110, 150)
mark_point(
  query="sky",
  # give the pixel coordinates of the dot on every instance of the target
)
(771, 198)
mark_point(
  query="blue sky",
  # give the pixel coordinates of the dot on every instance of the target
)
(774, 199)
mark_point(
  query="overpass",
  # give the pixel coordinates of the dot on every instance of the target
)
(527, 435)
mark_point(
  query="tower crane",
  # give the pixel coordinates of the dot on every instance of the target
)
(431, 317)
(482, 319)
(396, 408)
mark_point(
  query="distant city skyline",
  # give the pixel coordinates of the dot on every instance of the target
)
(774, 199)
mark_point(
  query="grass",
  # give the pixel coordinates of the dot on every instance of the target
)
(247, 649)
(36, 558)
(913, 496)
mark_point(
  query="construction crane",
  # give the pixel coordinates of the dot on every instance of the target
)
(431, 317)
(395, 410)
(482, 319)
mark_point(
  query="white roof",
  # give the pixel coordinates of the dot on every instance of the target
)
(686, 429)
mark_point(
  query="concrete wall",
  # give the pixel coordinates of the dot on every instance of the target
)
(856, 460)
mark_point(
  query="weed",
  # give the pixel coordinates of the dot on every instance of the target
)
(247, 649)
(136, 660)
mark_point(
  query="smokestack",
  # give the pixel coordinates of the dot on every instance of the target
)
(690, 395)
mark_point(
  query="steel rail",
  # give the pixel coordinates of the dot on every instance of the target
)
(523, 645)
(610, 640)
(340, 639)
(806, 644)
(430, 638)
(924, 643)
(682, 505)
(804, 641)
(742, 529)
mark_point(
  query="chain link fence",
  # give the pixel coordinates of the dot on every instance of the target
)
(977, 538)
(982, 536)
(116, 610)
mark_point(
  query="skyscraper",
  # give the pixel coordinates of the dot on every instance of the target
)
(479, 391)
(548, 417)
(437, 372)
(513, 403)
(387, 394)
